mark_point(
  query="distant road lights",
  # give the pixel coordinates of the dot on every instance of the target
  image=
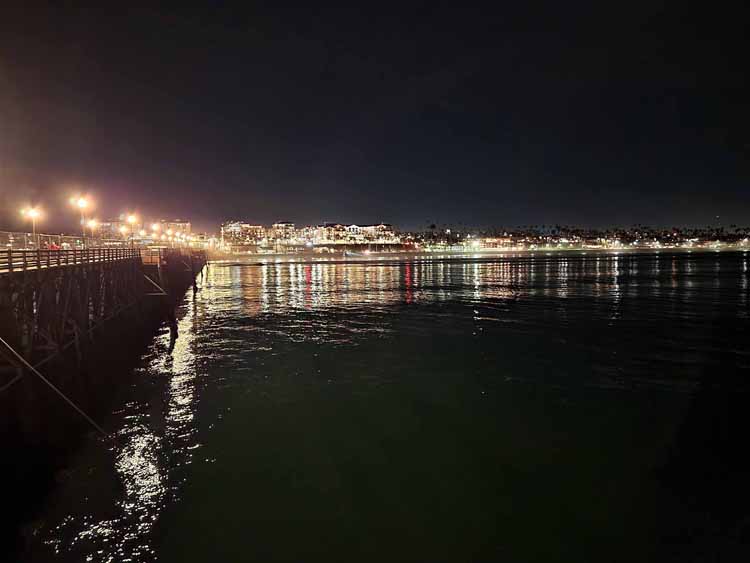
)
(156, 227)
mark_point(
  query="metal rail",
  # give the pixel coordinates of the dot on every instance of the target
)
(24, 260)
(41, 241)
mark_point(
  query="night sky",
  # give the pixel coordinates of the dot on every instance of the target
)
(440, 112)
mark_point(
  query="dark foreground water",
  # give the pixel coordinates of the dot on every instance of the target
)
(528, 408)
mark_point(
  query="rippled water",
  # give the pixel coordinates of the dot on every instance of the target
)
(474, 409)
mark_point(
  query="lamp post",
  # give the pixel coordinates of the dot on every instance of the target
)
(92, 224)
(81, 203)
(124, 232)
(32, 213)
(132, 219)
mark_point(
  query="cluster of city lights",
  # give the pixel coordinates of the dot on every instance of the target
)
(154, 233)
(83, 203)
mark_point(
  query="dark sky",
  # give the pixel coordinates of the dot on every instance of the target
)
(442, 112)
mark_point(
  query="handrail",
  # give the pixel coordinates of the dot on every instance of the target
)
(43, 241)
(24, 260)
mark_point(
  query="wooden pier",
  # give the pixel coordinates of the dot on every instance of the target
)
(52, 301)
(73, 325)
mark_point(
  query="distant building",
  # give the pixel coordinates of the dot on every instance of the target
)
(381, 231)
(176, 226)
(240, 231)
(329, 233)
(245, 237)
(283, 230)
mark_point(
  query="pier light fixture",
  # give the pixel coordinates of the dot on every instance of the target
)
(92, 224)
(32, 213)
(81, 203)
(132, 218)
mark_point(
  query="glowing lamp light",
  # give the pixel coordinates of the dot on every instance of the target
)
(80, 202)
(142, 233)
(124, 230)
(132, 219)
(32, 213)
(155, 227)
(92, 224)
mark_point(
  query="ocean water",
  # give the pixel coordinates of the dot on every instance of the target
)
(510, 408)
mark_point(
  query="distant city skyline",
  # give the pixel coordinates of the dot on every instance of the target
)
(60, 218)
(511, 115)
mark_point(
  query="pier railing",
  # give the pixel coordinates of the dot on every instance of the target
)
(22, 260)
(39, 241)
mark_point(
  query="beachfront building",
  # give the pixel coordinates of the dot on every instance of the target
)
(283, 230)
(286, 234)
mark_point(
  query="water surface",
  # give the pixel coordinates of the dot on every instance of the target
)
(477, 409)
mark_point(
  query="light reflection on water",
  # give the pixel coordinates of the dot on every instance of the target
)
(150, 444)
(248, 310)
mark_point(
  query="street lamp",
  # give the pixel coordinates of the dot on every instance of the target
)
(132, 219)
(124, 231)
(81, 203)
(156, 227)
(32, 213)
(92, 224)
